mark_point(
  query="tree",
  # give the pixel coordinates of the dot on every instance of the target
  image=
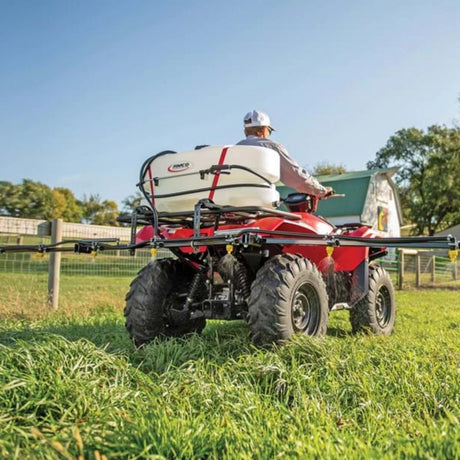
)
(34, 200)
(9, 199)
(98, 212)
(108, 215)
(30, 199)
(37, 199)
(132, 202)
(428, 177)
(325, 168)
(66, 206)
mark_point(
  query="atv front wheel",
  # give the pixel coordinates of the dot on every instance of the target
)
(287, 297)
(377, 310)
(158, 288)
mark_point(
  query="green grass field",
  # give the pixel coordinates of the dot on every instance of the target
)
(71, 384)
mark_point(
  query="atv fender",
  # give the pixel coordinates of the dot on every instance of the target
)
(359, 282)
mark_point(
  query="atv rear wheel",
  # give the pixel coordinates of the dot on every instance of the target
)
(287, 297)
(377, 310)
(159, 287)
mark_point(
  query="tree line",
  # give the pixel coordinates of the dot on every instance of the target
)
(34, 200)
(428, 181)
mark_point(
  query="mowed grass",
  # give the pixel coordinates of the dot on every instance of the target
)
(71, 384)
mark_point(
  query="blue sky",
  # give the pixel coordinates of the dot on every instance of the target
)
(89, 89)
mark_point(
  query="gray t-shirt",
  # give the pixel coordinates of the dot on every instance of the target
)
(291, 174)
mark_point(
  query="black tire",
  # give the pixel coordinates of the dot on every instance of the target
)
(287, 297)
(376, 312)
(156, 288)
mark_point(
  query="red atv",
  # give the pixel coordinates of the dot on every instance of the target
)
(236, 256)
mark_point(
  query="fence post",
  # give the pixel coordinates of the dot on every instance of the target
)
(454, 270)
(433, 269)
(400, 268)
(417, 270)
(54, 268)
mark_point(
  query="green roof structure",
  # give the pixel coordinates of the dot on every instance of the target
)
(354, 185)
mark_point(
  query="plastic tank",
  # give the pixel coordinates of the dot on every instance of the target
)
(175, 182)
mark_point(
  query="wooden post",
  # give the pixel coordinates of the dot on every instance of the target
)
(54, 268)
(454, 270)
(400, 268)
(417, 270)
(433, 269)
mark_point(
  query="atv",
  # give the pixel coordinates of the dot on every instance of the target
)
(237, 256)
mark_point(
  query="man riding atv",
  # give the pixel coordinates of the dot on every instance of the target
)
(236, 256)
(257, 129)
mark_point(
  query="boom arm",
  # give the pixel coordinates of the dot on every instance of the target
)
(244, 237)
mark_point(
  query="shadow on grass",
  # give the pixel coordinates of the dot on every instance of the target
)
(110, 334)
(338, 332)
(220, 342)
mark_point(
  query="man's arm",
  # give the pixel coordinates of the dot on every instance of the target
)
(295, 177)
(291, 174)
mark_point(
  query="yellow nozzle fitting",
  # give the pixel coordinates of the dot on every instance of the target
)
(453, 254)
(93, 253)
(329, 250)
(229, 248)
(39, 255)
(153, 252)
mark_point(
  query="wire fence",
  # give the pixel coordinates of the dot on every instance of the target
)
(107, 263)
(34, 273)
(420, 268)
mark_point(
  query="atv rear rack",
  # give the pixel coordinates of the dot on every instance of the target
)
(223, 214)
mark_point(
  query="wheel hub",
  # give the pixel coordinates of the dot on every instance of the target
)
(383, 306)
(305, 307)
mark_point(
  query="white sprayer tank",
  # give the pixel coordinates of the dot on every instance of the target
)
(176, 180)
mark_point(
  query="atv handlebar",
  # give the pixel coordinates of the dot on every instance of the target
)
(304, 202)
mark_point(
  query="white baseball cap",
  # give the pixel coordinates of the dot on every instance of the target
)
(257, 118)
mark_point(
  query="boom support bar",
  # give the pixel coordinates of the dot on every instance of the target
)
(242, 237)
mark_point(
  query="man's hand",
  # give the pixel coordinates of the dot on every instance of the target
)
(329, 192)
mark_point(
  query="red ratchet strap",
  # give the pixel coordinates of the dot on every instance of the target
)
(151, 184)
(217, 175)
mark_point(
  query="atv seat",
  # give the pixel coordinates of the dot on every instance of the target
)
(236, 175)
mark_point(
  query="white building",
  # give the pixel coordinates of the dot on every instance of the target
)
(370, 199)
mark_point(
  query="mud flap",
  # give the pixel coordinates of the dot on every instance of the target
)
(360, 282)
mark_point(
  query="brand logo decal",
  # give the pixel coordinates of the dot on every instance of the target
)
(178, 167)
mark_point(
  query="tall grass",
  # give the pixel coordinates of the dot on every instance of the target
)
(71, 385)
